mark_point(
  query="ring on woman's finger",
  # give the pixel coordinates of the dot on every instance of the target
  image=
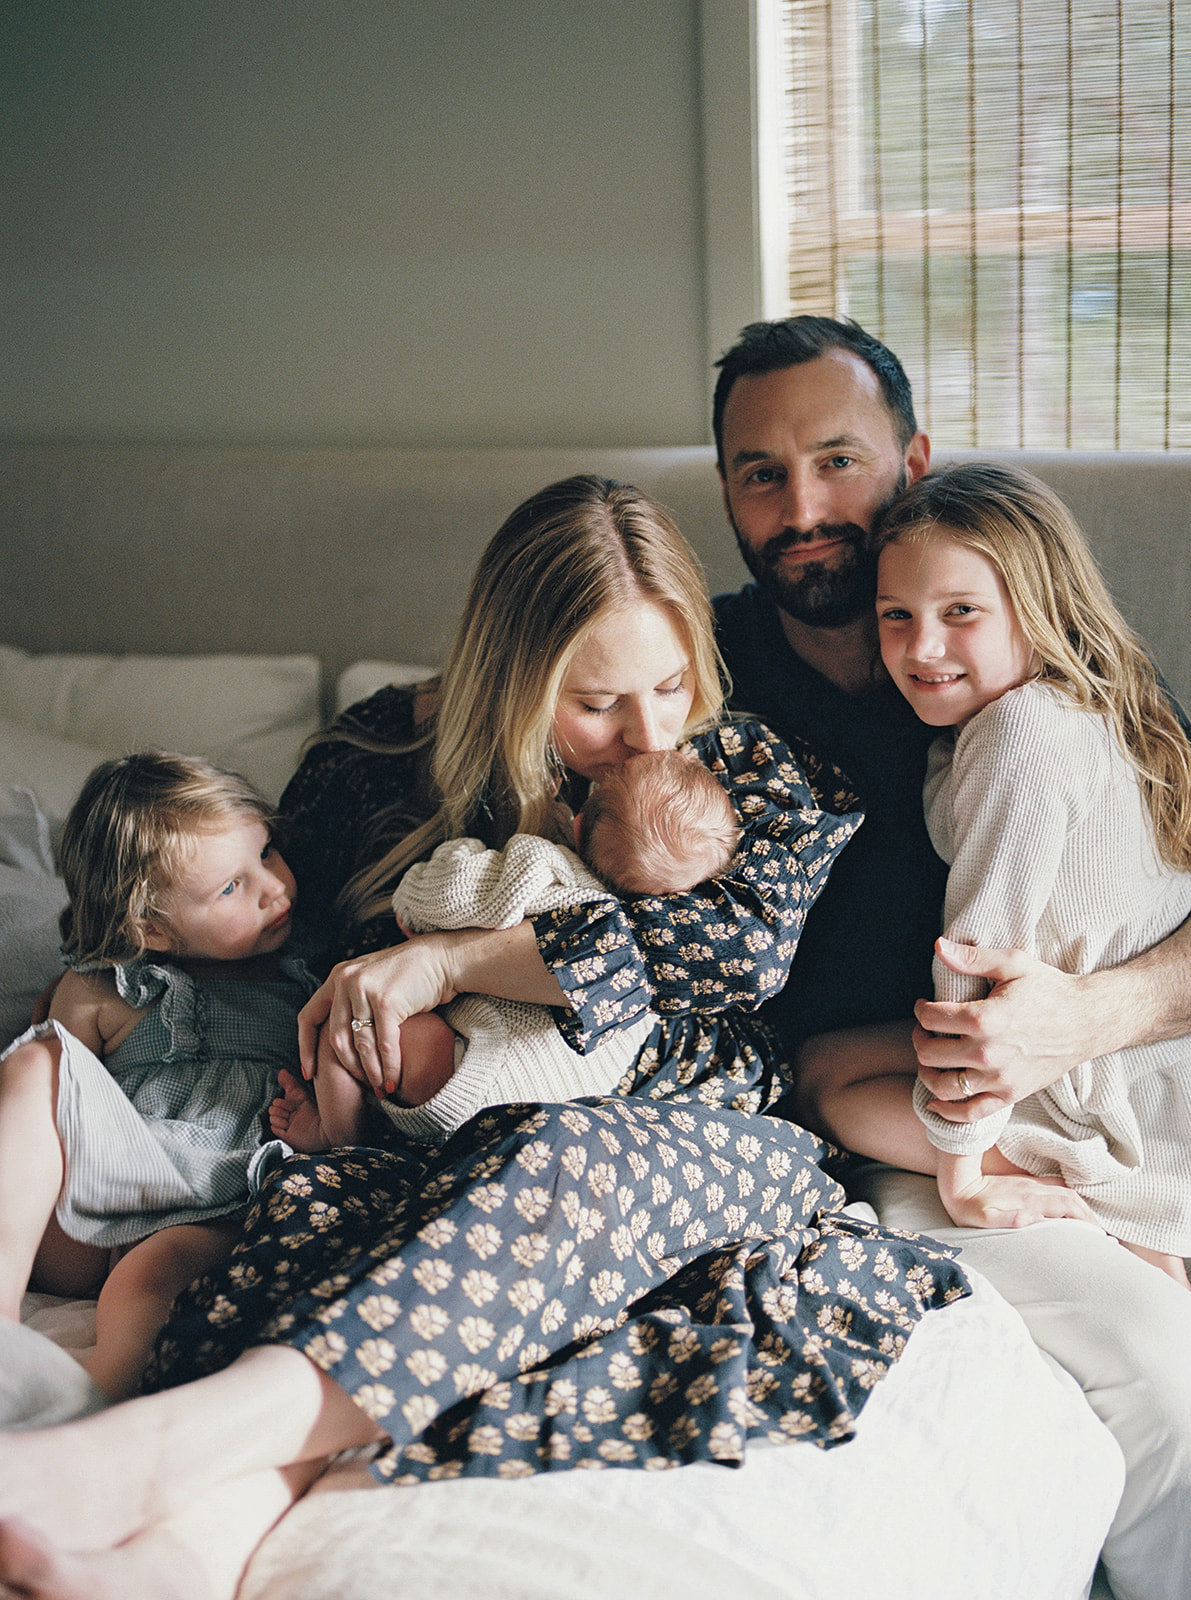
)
(965, 1088)
(362, 1022)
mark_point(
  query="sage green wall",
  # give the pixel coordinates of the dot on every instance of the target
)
(417, 222)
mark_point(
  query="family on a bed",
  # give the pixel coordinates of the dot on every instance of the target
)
(566, 1145)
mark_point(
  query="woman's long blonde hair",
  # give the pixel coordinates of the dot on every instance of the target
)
(565, 558)
(1086, 648)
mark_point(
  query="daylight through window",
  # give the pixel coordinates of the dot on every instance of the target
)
(1002, 192)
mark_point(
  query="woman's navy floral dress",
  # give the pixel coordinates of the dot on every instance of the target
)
(642, 1280)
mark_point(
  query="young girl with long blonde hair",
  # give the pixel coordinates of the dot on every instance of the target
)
(1060, 795)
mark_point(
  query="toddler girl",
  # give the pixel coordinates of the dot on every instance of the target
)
(1060, 796)
(131, 1121)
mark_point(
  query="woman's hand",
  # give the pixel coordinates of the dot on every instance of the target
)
(380, 991)
(427, 971)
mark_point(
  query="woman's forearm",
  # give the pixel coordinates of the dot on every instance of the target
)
(364, 1001)
(504, 962)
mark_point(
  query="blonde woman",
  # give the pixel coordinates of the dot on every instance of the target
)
(556, 1283)
(1060, 795)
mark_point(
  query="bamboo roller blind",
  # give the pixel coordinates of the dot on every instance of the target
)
(1002, 192)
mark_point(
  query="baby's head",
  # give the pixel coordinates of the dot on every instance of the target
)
(133, 834)
(658, 824)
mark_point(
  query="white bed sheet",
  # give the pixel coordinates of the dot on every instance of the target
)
(978, 1471)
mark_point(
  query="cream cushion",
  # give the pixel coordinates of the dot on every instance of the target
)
(64, 713)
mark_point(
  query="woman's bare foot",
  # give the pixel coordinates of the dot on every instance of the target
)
(1173, 1266)
(68, 1485)
(294, 1117)
(33, 1568)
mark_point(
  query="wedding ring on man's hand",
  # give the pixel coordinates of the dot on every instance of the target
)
(361, 1022)
(965, 1088)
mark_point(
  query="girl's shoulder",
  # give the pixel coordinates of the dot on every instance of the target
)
(147, 978)
(1035, 745)
(1034, 715)
(85, 982)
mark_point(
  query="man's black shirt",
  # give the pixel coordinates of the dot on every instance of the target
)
(865, 952)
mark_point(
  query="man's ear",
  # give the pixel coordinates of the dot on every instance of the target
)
(917, 457)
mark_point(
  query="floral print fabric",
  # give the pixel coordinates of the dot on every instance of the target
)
(606, 1283)
(642, 1280)
(728, 944)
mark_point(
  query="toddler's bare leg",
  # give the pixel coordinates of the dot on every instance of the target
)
(200, 1554)
(68, 1267)
(31, 1165)
(136, 1299)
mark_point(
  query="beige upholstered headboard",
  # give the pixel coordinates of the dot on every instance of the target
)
(350, 553)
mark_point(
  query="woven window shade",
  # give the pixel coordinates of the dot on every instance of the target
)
(1001, 191)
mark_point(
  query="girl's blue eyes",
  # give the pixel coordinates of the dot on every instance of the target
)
(899, 615)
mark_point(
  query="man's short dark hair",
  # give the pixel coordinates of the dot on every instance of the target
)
(772, 346)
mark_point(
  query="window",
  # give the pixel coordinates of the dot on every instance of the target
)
(1002, 192)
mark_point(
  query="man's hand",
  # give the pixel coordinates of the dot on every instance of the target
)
(1030, 1029)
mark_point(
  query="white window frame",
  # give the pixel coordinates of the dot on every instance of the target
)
(744, 208)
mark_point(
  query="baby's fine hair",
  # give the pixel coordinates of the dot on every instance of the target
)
(128, 833)
(1084, 645)
(658, 824)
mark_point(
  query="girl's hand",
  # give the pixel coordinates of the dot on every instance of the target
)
(379, 990)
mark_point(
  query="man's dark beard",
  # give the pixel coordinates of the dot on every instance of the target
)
(822, 595)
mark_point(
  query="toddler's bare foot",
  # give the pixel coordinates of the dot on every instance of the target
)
(1173, 1266)
(294, 1117)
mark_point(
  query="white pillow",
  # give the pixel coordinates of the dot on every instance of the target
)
(364, 678)
(25, 840)
(32, 957)
(46, 766)
(250, 713)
